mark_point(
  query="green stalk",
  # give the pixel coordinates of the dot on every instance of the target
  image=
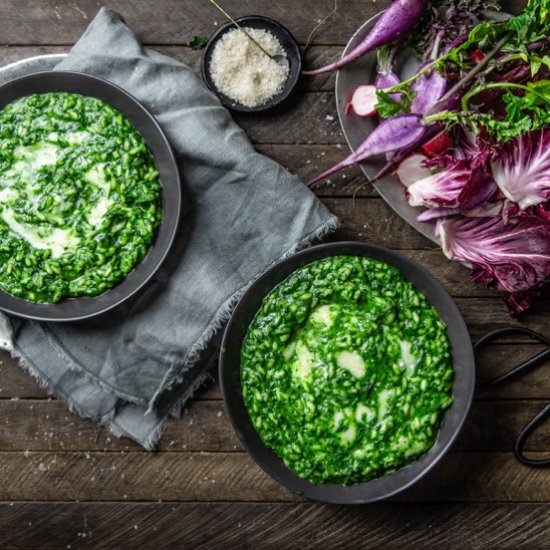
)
(470, 75)
(439, 117)
(453, 116)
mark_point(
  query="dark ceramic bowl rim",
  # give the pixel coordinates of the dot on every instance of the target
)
(453, 420)
(76, 309)
(294, 55)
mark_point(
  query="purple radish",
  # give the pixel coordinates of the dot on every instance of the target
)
(395, 157)
(396, 21)
(387, 79)
(391, 134)
(363, 100)
(429, 89)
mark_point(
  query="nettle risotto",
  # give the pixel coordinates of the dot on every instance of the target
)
(80, 198)
(346, 371)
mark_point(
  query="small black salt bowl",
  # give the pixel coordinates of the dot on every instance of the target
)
(290, 46)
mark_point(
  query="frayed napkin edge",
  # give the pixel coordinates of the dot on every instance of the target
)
(151, 441)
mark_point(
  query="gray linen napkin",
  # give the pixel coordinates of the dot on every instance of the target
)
(131, 369)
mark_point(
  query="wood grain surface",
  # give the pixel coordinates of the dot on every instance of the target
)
(66, 483)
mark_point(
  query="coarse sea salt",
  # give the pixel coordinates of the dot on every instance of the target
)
(243, 72)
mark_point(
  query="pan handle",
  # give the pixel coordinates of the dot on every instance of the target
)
(530, 363)
(527, 430)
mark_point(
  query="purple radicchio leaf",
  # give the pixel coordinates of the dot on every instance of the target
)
(463, 185)
(521, 168)
(512, 257)
(435, 213)
(482, 210)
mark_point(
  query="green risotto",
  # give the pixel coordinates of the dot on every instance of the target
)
(80, 198)
(346, 371)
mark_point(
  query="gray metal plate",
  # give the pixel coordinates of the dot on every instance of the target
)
(30, 65)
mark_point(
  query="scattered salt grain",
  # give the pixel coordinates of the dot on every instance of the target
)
(243, 72)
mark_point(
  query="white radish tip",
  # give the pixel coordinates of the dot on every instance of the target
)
(364, 100)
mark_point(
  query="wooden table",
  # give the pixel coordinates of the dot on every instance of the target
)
(65, 483)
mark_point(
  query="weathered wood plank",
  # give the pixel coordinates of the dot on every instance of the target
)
(31, 425)
(480, 477)
(494, 426)
(483, 315)
(372, 220)
(492, 362)
(16, 382)
(312, 119)
(174, 22)
(28, 425)
(86, 476)
(495, 360)
(271, 526)
(136, 476)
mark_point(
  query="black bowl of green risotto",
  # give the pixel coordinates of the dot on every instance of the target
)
(90, 196)
(347, 372)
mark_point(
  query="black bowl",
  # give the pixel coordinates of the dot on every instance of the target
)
(388, 485)
(289, 45)
(74, 309)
